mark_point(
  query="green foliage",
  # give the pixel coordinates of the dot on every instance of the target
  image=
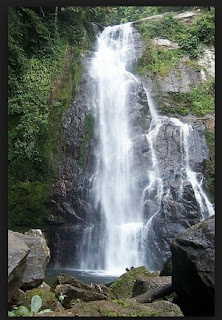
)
(122, 14)
(157, 60)
(43, 76)
(191, 38)
(204, 27)
(112, 314)
(28, 204)
(199, 101)
(164, 28)
(30, 311)
(62, 297)
(36, 303)
(190, 44)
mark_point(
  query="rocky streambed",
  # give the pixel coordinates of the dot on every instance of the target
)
(186, 280)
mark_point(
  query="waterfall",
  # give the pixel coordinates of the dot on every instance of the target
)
(122, 235)
(184, 171)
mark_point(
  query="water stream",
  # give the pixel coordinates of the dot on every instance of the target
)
(123, 236)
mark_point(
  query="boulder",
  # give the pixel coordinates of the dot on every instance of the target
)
(17, 259)
(38, 257)
(123, 286)
(70, 292)
(67, 279)
(193, 275)
(44, 286)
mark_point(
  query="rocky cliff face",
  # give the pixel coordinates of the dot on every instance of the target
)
(73, 200)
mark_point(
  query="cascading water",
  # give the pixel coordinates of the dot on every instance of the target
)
(114, 186)
(183, 174)
(122, 235)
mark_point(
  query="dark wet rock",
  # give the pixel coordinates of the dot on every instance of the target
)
(153, 294)
(17, 261)
(56, 306)
(193, 260)
(167, 268)
(178, 209)
(17, 298)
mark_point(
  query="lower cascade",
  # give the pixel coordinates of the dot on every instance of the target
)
(147, 185)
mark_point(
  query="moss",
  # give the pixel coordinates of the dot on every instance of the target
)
(48, 297)
(28, 205)
(120, 302)
(123, 286)
(112, 314)
(87, 136)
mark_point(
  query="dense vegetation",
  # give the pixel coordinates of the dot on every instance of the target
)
(192, 40)
(44, 47)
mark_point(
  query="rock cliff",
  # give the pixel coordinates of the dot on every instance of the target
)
(73, 205)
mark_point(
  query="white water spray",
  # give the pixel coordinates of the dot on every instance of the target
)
(114, 186)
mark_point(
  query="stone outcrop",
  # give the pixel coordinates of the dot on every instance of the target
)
(123, 287)
(33, 249)
(74, 289)
(17, 261)
(193, 275)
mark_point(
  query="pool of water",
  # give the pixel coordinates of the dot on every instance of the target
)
(87, 276)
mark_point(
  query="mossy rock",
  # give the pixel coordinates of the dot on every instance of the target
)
(125, 308)
(123, 286)
(48, 297)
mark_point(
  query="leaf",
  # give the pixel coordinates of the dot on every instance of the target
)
(36, 303)
(11, 314)
(45, 310)
(22, 311)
